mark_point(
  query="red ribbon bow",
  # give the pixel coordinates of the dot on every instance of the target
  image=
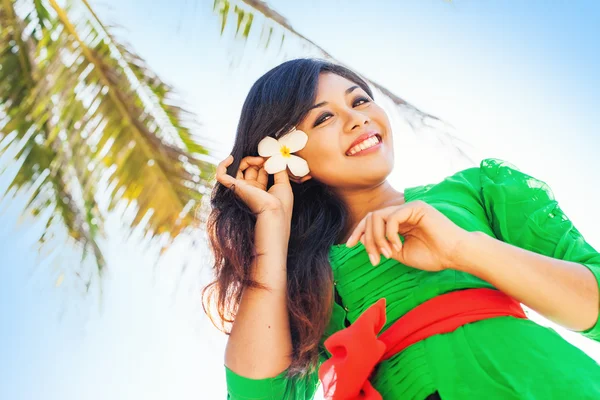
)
(356, 350)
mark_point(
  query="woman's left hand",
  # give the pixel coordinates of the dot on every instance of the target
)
(431, 240)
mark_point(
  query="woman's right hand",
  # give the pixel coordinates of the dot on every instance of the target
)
(250, 185)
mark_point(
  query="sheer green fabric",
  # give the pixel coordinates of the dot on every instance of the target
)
(499, 358)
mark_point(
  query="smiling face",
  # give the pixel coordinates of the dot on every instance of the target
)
(349, 136)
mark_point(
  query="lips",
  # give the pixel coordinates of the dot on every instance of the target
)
(362, 138)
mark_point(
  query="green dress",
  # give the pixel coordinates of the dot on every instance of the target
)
(499, 358)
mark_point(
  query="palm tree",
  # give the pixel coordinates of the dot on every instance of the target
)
(89, 121)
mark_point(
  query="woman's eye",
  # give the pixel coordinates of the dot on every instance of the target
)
(359, 101)
(322, 119)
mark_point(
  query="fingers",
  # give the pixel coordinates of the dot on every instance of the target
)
(251, 173)
(372, 233)
(252, 185)
(246, 162)
(281, 177)
(379, 232)
(391, 231)
(400, 220)
(222, 176)
(263, 177)
(369, 243)
(356, 234)
(249, 170)
(403, 218)
(379, 235)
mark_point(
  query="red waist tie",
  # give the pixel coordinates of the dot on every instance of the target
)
(356, 350)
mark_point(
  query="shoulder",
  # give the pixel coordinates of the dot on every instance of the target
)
(491, 168)
(495, 168)
(493, 177)
(495, 171)
(500, 175)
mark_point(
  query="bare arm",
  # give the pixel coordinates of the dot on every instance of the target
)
(260, 343)
(562, 291)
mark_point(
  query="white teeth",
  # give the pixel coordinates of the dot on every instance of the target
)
(372, 141)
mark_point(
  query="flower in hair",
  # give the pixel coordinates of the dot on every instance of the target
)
(280, 152)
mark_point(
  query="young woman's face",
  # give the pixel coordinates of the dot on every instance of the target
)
(344, 113)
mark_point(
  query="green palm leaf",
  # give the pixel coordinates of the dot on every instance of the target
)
(84, 110)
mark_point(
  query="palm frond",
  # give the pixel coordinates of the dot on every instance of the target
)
(28, 110)
(161, 177)
(158, 92)
(94, 125)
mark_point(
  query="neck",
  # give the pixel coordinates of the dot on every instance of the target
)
(360, 202)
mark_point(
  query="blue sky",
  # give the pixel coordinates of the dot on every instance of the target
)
(518, 79)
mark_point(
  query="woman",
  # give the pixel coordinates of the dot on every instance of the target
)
(314, 263)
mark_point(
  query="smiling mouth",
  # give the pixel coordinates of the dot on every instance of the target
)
(364, 145)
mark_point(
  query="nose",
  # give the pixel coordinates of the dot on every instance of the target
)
(356, 119)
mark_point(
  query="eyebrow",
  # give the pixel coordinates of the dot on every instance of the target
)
(348, 91)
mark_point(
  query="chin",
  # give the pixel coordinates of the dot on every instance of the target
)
(345, 175)
(374, 174)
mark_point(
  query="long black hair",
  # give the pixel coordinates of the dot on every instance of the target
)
(278, 101)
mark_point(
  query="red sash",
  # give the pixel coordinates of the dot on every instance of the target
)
(357, 349)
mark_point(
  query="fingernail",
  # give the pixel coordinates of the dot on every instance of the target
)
(397, 248)
(385, 252)
(373, 259)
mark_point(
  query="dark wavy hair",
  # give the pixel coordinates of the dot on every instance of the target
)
(278, 101)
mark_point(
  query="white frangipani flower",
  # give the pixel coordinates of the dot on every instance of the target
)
(280, 153)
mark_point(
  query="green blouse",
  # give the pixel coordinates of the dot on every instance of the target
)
(499, 358)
